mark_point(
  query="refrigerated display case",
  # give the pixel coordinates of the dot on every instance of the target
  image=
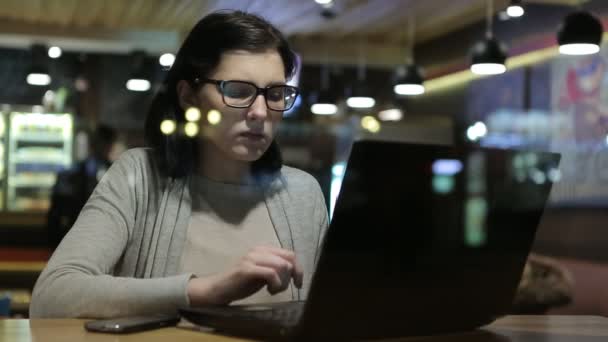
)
(2, 159)
(39, 146)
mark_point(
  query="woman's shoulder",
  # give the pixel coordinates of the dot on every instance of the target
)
(136, 161)
(297, 179)
(139, 158)
(137, 154)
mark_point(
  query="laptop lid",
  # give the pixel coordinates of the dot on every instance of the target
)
(426, 239)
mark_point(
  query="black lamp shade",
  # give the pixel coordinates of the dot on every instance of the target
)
(325, 96)
(490, 51)
(38, 69)
(359, 89)
(360, 96)
(325, 103)
(580, 28)
(412, 75)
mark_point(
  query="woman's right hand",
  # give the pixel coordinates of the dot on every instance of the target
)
(272, 267)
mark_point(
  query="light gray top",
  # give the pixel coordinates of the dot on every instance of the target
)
(228, 220)
(122, 255)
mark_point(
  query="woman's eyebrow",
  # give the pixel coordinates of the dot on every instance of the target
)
(275, 83)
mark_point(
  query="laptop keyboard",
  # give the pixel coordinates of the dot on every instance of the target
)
(283, 313)
(286, 316)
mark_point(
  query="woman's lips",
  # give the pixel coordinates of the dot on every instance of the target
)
(252, 136)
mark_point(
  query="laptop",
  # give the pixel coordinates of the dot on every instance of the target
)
(424, 239)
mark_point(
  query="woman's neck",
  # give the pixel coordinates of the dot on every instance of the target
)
(216, 167)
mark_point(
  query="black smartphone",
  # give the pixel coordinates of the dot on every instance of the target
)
(131, 324)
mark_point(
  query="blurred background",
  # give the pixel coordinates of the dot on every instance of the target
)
(77, 77)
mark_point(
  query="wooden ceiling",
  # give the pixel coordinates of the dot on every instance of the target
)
(160, 25)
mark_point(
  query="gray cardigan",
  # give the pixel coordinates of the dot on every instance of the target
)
(121, 257)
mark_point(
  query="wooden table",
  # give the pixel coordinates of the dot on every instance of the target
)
(511, 328)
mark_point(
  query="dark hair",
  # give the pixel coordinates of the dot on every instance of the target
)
(200, 53)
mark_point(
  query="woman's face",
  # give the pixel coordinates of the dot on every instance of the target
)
(241, 134)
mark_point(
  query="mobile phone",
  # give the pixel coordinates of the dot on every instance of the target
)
(131, 324)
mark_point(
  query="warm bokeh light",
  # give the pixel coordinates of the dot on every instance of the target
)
(191, 129)
(193, 114)
(392, 114)
(370, 123)
(214, 116)
(167, 127)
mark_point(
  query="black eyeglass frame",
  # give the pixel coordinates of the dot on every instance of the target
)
(220, 84)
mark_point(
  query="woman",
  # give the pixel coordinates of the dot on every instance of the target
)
(197, 221)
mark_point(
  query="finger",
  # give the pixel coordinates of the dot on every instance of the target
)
(297, 272)
(285, 269)
(282, 266)
(281, 252)
(298, 275)
(270, 277)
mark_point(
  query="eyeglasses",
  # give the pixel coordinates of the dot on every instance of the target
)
(242, 94)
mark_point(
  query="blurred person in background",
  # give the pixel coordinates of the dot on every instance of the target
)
(212, 218)
(74, 186)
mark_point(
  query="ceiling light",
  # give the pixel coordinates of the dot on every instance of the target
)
(489, 55)
(360, 98)
(580, 34)
(138, 80)
(38, 73)
(54, 52)
(324, 109)
(409, 79)
(167, 60)
(360, 102)
(359, 93)
(138, 84)
(38, 79)
(325, 103)
(410, 83)
(515, 9)
(38, 76)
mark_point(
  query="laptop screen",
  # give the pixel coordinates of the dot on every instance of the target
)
(436, 233)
